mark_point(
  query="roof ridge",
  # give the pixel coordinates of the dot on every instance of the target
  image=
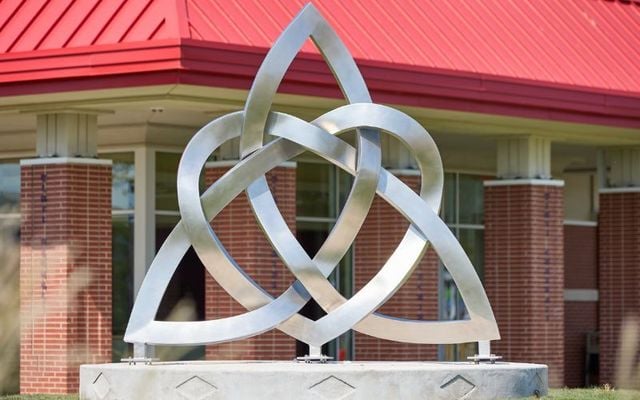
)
(180, 19)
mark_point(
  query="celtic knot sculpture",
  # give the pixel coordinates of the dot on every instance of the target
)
(321, 136)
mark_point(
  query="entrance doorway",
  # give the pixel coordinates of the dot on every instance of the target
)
(322, 190)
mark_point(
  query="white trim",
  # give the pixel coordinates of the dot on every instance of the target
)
(115, 212)
(632, 189)
(232, 163)
(65, 160)
(10, 215)
(104, 150)
(167, 148)
(477, 172)
(64, 110)
(581, 295)
(221, 163)
(144, 226)
(17, 155)
(405, 172)
(467, 226)
(573, 222)
(315, 219)
(522, 182)
(168, 213)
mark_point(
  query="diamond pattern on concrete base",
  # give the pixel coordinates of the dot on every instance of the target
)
(332, 388)
(101, 386)
(196, 388)
(458, 387)
(537, 385)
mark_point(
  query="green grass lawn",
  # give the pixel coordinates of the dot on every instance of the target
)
(593, 394)
(555, 394)
(39, 397)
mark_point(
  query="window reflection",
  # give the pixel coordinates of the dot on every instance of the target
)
(123, 177)
(316, 190)
(463, 202)
(183, 299)
(10, 270)
(9, 186)
(122, 278)
(122, 250)
(166, 178)
(321, 190)
(471, 199)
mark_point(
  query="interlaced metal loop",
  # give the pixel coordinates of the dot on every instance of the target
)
(322, 137)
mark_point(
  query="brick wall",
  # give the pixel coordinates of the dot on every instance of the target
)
(580, 257)
(524, 275)
(242, 237)
(65, 273)
(619, 272)
(580, 318)
(417, 299)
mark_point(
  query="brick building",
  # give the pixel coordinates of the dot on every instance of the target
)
(534, 106)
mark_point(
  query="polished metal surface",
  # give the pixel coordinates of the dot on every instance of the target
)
(322, 137)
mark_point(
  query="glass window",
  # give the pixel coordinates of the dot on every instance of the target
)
(450, 195)
(9, 186)
(321, 192)
(122, 278)
(166, 179)
(471, 199)
(463, 211)
(472, 241)
(122, 188)
(122, 247)
(316, 190)
(311, 234)
(10, 270)
(184, 298)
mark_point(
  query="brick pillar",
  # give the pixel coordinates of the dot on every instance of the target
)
(239, 232)
(580, 298)
(524, 271)
(417, 299)
(619, 270)
(65, 271)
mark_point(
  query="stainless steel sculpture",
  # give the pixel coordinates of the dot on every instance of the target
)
(321, 137)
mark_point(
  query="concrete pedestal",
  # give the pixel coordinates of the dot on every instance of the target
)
(291, 380)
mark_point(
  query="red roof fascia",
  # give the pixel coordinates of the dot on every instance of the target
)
(89, 61)
(233, 66)
(420, 87)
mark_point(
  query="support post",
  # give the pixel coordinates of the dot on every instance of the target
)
(524, 255)
(65, 261)
(619, 256)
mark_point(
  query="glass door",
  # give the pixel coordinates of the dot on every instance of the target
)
(463, 212)
(321, 191)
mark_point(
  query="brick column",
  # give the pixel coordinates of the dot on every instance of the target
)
(417, 299)
(524, 270)
(619, 255)
(580, 298)
(65, 271)
(619, 270)
(238, 230)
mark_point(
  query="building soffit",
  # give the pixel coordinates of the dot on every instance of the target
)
(189, 107)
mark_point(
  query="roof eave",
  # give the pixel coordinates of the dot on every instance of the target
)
(176, 61)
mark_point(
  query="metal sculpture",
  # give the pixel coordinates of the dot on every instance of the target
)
(321, 136)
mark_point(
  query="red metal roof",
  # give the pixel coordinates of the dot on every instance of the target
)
(590, 43)
(579, 52)
(56, 24)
